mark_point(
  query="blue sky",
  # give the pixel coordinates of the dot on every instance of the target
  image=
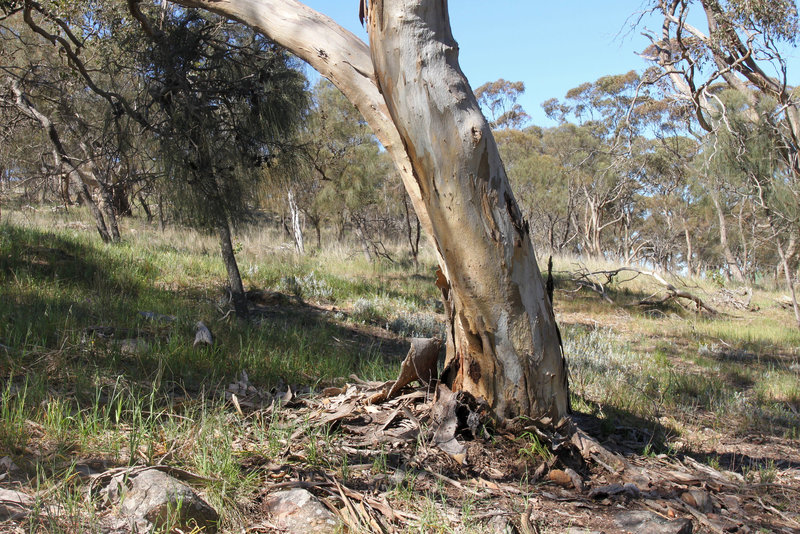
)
(552, 46)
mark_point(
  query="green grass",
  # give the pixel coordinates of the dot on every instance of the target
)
(67, 396)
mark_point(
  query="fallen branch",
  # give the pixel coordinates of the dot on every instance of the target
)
(587, 279)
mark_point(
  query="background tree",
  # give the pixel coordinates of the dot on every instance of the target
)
(503, 342)
(227, 102)
(343, 168)
(740, 46)
(498, 100)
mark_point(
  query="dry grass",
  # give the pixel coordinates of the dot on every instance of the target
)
(690, 384)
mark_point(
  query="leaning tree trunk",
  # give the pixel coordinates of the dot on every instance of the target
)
(61, 158)
(234, 277)
(503, 341)
(504, 344)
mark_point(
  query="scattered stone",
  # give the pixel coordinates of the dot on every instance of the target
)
(560, 477)
(14, 505)
(297, 511)
(152, 499)
(628, 490)
(577, 481)
(133, 346)
(579, 530)
(7, 465)
(642, 521)
(203, 335)
(500, 525)
(157, 317)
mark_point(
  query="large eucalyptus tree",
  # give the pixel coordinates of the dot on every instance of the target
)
(503, 342)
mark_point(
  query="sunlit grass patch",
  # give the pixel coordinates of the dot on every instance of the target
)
(762, 335)
(778, 386)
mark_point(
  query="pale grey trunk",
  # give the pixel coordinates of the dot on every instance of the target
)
(730, 259)
(297, 230)
(505, 344)
(62, 159)
(362, 239)
(689, 252)
(787, 273)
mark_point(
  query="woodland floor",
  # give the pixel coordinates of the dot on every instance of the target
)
(700, 414)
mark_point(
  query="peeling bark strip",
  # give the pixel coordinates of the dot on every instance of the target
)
(502, 341)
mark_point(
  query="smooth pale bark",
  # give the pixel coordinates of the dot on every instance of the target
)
(297, 231)
(504, 345)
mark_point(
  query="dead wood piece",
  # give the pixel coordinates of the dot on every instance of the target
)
(343, 411)
(591, 450)
(455, 483)
(732, 298)
(585, 278)
(525, 521)
(716, 476)
(701, 517)
(419, 364)
(14, 505)
(380, 505)
(678, 294)
(789, 521)
(444, 413)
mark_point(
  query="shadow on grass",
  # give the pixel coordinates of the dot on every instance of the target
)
(743, 463)
(621, 431)
(57, 290)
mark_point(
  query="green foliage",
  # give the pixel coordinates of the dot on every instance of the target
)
(499, 100)
(228, 102)
(343, 176)
(534, 450)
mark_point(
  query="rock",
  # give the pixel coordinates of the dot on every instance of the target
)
(500, 525)
(203, 335)
(577, 481)
(7, 465)
(157, 317)
(578, 530)
(627, 490)
(152, 499)
(14, 505)
(298, 511)
(641, 521)
(133, 346)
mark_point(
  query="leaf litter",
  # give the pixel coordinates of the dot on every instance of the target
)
(433, 441)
